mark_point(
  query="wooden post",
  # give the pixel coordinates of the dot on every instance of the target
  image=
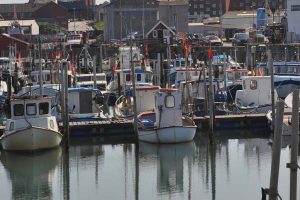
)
(41, 69)
(273, 190)
(100, 69)
(94, 73)
(211, 98)
(294, 146)
(270, 66)
(132, 65)
(66, 120)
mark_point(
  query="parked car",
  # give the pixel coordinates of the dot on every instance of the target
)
(240, 39)
(214, 40)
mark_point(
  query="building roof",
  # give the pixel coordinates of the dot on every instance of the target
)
(6, 23)
(156, 25)
(24, 7)
(239, 14)
(7, 40)
(78, 5)
(173, 2)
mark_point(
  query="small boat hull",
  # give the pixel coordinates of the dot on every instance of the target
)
(174, 134)
(30, 139)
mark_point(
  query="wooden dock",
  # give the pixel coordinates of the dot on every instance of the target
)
(101, 127)
(124, 127)
(234, 121)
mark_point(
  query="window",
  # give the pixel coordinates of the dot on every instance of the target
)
(253, 84)
(154, 34)
(295, 7)
(44, 108)
(47, 77)
(30, 109)
(169, 101)
(166, 33)
(33, 78)
(128, 77)
(138, 77)
(18, 110)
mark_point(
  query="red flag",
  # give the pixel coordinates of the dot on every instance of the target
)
(19, 57)
(58, 54)
(210, 54)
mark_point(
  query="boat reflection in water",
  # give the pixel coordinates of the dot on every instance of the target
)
(170, 163)
(30, 174)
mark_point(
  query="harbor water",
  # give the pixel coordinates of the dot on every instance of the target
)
(235, 166)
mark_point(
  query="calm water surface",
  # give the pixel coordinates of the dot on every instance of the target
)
(235, 167)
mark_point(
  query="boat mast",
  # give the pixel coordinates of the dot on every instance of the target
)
(40, 68)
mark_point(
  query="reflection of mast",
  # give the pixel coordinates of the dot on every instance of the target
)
(66, 175)
(137, 174)
(212, 152)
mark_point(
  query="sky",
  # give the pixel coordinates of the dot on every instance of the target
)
(25, 1)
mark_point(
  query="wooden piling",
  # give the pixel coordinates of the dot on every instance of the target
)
(211, 98)
(276, 148)
(294, 146)
(270, 66)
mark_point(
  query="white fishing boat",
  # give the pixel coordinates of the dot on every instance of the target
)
(166, 124)
(255, 96)
(31, 126)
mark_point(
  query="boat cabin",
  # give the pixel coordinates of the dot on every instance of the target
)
(183, 74)
(256, 91)
(49, 77)
(168, 107)
(30, 107)
(87, 80)
(142, 78)
(145, 97)
(82, 101)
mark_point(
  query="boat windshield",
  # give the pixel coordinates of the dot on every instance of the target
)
(43, 108)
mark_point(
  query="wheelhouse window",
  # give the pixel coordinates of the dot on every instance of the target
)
(31, 109)
(138, 77)
(33, 78)
(18, 110)
(253, 84)
(169, 101)
(128, 77)
(44, 108)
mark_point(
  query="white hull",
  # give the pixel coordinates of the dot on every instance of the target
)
(31, 139)
(173, 134)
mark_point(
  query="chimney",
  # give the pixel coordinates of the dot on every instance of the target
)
(227, 5)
